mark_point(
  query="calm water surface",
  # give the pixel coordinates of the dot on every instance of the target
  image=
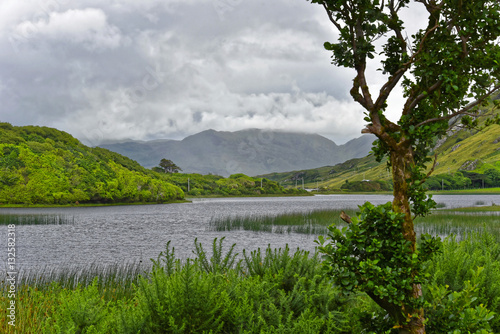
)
(108, 235)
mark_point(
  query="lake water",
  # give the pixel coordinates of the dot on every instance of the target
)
(118, 234)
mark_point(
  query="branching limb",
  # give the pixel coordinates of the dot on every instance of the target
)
(464, 111)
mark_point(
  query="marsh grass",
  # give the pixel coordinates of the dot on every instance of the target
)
(440, 222)
(39, 291)
(266, 289)
(113, 281)
(444, 223)
(36, 219)
(311, 222)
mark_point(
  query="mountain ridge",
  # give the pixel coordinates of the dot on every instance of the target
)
(248, 151)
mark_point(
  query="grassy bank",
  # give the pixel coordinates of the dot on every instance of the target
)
(74, 205)
(479, 191)
(262, 291)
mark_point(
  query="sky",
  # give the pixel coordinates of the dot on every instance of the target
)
(166, 69)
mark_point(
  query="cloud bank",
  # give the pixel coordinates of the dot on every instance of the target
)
(154, 69)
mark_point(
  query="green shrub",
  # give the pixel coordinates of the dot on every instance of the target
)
(82, 310)
(459, 264)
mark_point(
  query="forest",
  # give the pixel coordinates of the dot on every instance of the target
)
(41, 165)
(234, 185)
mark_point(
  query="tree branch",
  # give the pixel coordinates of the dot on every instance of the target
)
(464, 111)
(345, 217)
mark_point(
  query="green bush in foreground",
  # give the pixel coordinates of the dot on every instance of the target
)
(269, 291)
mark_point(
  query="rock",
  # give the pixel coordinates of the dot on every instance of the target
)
(469, 165)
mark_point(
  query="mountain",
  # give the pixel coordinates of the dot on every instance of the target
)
(250, 152)
(40, 165)
(465, 159)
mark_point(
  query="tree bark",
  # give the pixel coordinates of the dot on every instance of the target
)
(401, 161)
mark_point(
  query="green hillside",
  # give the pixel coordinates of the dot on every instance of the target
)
(466, 159)
(40, 165)
(234, 185)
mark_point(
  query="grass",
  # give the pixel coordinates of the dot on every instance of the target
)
(311, 222)
(441, 222)
(482, 191)
(491, 208)
(444, 223)
(35, 219)
(260, 293)
(38, 291)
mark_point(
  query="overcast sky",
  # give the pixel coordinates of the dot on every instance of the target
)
(151, 69)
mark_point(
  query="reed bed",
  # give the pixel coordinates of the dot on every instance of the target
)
(36, 219)
(316, 222)
(458, 223)
(39, 292)
(311, 222)
(113, 281)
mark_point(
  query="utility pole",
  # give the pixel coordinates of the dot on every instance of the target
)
(302, 183)
(188, 185)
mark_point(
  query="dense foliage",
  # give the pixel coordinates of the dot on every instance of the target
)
(40, 165)
(235, 185)
(451, 60)
(269, 291)
(464, 180)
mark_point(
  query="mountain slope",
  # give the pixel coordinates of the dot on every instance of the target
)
(250, 151)
(462, 155)
(40, 165)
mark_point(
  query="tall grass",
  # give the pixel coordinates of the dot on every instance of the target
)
(113, 281)
(36, 219)
(444, 223)
(311, 222)
(316, 222)
(268, 291)
(43, 294)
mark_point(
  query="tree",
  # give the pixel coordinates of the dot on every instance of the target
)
(169, 167)
(449, 68)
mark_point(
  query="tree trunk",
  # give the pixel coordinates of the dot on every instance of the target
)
(401, 161)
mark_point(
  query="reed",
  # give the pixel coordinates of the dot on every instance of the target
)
(113, 281)
(311, 222)
(36, 219)
(316, 222)
(444, 223)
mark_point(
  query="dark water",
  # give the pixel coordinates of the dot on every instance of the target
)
(108, 235)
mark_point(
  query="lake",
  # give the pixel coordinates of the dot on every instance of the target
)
(118, 234)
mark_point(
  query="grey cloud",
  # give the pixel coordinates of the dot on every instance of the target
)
(156, 69)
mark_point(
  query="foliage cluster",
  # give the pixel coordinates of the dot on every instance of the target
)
(276, 291)
(464, 179)
(273, 291)
(370, 254)
(40, 165)
(235, 185)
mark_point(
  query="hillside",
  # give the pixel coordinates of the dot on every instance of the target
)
(466, 159)
(40, 165)
(249, 152)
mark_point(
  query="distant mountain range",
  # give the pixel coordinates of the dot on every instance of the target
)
(252, 151)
